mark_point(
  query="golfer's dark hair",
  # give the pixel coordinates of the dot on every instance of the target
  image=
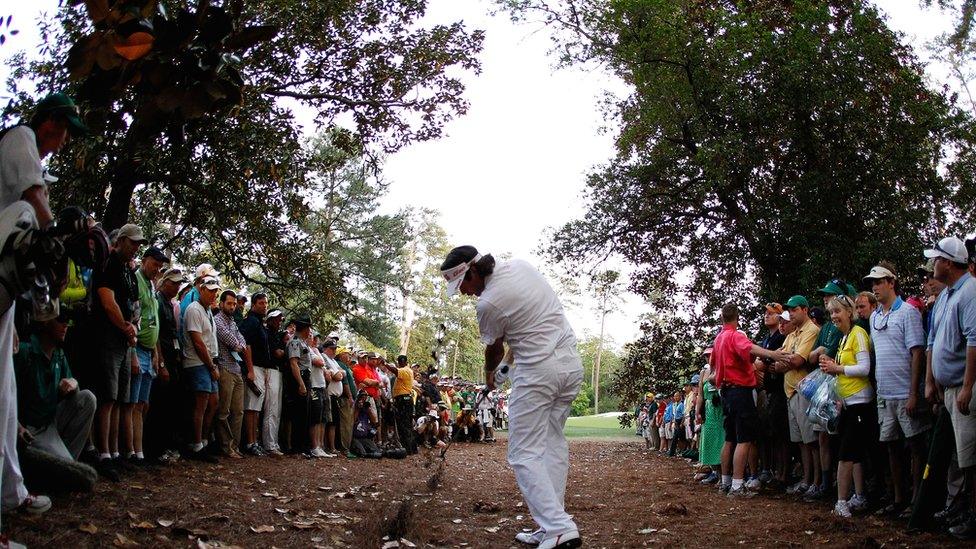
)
(258, 297)
(462, 254)
(730, 312)
(223, 296)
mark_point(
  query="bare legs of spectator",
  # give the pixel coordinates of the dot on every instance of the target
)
(811, 463)
(845, 471)
(825, 460)
(330, 437)
(250, 427)
(103, 427)
(204, 410)
(125, 425)
(754, 460)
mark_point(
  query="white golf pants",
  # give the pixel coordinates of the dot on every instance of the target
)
(537, 450)
(272, 410)
(12, 487)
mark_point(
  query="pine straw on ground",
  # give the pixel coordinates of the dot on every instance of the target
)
(620, 497)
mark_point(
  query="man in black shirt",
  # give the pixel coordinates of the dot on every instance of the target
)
(773, 442)
(115, 314)
(166, 414)
(256, 336)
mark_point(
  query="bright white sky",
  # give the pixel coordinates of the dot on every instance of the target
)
(516, 163)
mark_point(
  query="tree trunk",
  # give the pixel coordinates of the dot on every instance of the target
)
(596, 364)
(123, 186)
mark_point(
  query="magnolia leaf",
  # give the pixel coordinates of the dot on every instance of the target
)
(164, 523)
(262, 529)
(88, 528)
(250, 37)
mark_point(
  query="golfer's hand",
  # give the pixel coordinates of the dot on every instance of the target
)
(250, 375)
(302, 390)
(490, 380)
(163, 373)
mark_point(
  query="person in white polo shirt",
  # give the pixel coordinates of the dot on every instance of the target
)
(517, 306)
(899, 349)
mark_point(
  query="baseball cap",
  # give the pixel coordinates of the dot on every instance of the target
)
(210, 283)
(951, 248)
(275, 313)
(774, 308)
(464, 256)
(156, 254)
(61, 104)
(695, 379)
(341, 351)
(301, 320)
(798, 301)
(785, 315)
(173, 274)
(133, 232)
(205, 269)
(330, 344)
(878, 272)
(834, 287)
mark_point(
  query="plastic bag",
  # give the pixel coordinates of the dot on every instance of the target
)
(825, 406)
(808, 385)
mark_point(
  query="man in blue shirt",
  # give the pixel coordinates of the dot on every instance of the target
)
(951, 356)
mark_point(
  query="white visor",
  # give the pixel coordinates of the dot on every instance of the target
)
(455, 275)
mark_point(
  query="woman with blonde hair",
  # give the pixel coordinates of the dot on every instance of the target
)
(859, 420)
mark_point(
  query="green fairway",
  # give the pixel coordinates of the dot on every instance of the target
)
(602, 426)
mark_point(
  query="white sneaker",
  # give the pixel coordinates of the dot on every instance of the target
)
(35, 505)
(842, 509)
(857, 503)
(317, 452)
(329, 454)
(798, 488)
(753, 484)
(568, 540)
(531, 538)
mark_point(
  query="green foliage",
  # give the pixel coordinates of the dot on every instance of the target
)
(583, 403)
(764, 147)
(223, 174)
(666, 354)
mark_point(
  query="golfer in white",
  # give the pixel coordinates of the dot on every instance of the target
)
(518, 307)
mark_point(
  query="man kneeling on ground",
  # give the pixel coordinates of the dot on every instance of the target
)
(57, 416)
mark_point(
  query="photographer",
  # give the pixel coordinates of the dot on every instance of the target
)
(364, 428)
(22, 177)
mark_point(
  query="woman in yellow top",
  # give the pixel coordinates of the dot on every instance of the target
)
(859, 420)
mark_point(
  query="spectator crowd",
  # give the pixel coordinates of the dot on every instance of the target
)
(114, 358)
(866, 404)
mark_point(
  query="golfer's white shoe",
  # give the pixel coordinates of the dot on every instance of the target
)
(567, 540)
(530, 538)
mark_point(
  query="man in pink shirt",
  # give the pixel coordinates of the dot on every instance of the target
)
(735, 376)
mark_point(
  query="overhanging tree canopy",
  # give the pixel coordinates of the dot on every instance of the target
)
(765, 147)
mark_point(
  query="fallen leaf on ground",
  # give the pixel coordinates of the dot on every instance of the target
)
(491, 529)
(144, 525)
(88, 528)
(262, 529)
(164, 523)
(456, 521)
(407, 543)
(122, 541)
(647, 531)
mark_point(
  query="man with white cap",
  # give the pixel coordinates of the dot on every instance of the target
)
(200, 370)
(202, 270)
(951, 357)
(899, 344)
(517, 306)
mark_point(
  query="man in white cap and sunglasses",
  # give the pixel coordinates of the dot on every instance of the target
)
(517, 306)
(951, 357)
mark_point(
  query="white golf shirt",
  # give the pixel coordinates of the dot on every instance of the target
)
(519, 305)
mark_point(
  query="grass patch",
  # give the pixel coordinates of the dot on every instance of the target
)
(595, 426)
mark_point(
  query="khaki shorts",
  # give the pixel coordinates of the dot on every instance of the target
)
(801, 429)
(897, 424)
(963, 427)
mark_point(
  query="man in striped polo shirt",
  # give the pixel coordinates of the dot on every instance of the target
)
(899, 348)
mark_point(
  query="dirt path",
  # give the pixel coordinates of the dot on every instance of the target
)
(618, 495)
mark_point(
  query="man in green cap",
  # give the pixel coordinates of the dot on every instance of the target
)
(22, 177)
(22, 147)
